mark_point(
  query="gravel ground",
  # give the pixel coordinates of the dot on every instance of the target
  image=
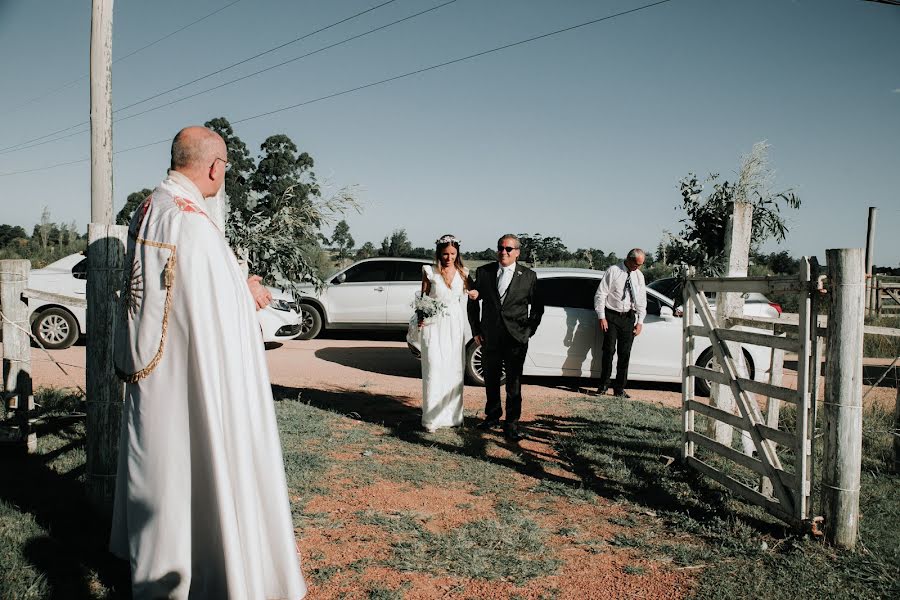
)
(378, 362)
(381, 362)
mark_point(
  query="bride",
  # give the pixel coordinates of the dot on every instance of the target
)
(443, 337)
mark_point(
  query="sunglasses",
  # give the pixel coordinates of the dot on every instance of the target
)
(508, 249)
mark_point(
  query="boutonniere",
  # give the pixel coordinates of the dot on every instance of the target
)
(518, 272)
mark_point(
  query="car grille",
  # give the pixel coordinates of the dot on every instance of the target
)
(288, 330)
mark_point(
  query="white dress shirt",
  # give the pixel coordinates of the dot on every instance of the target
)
(611, 290)
(506, 274)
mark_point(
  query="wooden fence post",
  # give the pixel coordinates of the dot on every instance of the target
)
(876, 293)
(728, 305)
(870, 258)
(106, 253)
(17, 350)
(843, 396)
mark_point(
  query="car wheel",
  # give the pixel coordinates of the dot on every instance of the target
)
(475, 368)
(708, 360)
(55, 328)
(310, 322)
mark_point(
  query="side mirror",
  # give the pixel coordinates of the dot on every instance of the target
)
(339, 279)
(666, 314)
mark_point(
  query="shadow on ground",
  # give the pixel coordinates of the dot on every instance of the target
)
(74, 549)
(375, 359)
(400, 362)
(610, 452)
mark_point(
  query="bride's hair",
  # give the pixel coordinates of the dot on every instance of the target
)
(440, 245)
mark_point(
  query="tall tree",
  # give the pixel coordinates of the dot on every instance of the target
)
(276, 208)
(237, 179)
(397, 244)
(283, 175)
(701, 243)
(342, 240)
(538, 249)
(73, 231)
(44, 228)
(8, 233)
(123, 217)
(367, 250)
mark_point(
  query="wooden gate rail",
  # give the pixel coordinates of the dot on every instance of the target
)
(790, 492)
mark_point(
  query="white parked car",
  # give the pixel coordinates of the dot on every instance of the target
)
(567, 343)
(374, 293)
(59, 325)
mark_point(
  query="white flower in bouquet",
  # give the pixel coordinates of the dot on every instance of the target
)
(427, 307)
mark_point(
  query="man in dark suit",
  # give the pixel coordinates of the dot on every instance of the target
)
(510, 314)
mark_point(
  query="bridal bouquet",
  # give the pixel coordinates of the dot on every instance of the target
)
(427, 307)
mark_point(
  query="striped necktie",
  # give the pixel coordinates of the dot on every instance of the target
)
(628, 290)
(503, 284)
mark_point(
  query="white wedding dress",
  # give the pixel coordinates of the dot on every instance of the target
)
(443, 354)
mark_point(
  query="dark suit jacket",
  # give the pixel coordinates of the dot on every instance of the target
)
(513, 313)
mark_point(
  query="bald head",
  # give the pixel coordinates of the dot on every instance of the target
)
(200, 154)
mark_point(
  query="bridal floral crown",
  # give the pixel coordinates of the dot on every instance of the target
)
(447, 239)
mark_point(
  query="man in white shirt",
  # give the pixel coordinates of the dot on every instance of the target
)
(621, 305)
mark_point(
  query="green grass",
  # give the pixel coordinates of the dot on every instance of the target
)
(53, 546)
(882, 346)
(511, 546)
(742, 552)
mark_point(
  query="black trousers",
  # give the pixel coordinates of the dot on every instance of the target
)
(501, 351)
(619, 336)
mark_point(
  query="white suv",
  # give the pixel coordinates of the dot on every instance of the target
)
(374, 293)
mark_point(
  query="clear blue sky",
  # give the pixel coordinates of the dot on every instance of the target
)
(583, 135)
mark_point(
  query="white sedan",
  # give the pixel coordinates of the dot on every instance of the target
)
(59, 325)
(567, 343)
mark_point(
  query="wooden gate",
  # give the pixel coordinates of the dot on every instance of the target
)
(776, 474)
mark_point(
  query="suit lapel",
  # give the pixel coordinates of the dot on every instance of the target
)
(514, 284)
(492, 281)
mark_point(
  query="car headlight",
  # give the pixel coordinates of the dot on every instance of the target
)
(279, 304)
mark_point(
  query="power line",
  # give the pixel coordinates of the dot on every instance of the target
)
(380, 82)
(232, 81)
(130, 54)
(255, 56)
(454, 61)
(281, 64)
(20, 145)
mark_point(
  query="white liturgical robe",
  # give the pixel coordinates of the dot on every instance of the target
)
(201, 508)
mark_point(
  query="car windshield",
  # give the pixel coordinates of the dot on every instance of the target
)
(670, 287)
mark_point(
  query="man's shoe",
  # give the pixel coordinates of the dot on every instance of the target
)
(601, 389)
(488, 424)
(621, 394)
(513, 433)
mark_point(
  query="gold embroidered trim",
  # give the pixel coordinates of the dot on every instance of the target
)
(169, 279)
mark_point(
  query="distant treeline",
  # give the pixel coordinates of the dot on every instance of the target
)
(49, 241)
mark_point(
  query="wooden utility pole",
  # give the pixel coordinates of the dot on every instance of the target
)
(17, 384)
(843, 397)
(105, 257)
(870, 258)
(730, 305)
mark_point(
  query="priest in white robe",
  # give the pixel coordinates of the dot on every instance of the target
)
(201, 507)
